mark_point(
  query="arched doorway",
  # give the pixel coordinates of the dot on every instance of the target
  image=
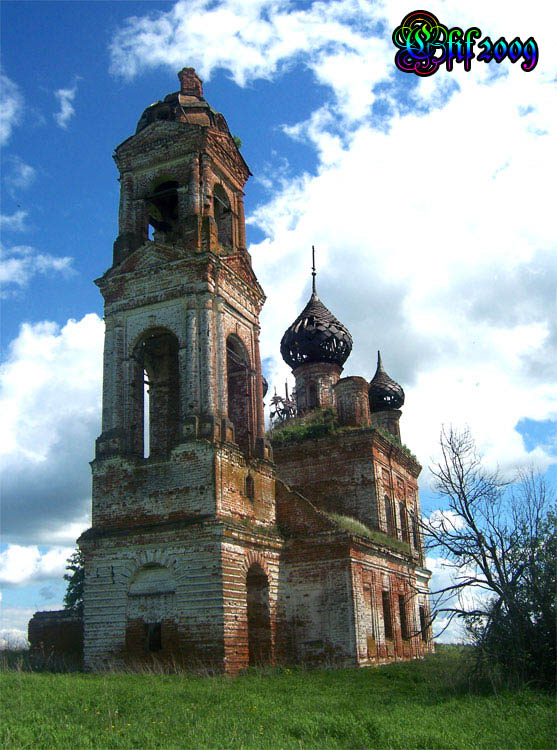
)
(156, 380)
(238, 373)
(259, 616)
(151, 612)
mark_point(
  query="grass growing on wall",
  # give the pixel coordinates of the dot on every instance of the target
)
(357, 527)
(421, 704)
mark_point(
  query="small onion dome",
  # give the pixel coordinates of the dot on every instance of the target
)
(315, 336)
(265, 385)
(384, 393)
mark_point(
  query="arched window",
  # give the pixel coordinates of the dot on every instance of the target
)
(157, 406)
(162, 205)
(150, 610)
(223, 215)
(239, 385)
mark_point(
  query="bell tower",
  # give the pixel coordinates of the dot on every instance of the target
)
(182, 455)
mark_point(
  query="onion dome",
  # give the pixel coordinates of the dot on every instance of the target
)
(315, 336)
(264, 385)
(384, 392)
(186, 105)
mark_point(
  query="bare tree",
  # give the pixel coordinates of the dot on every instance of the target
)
(499, 540)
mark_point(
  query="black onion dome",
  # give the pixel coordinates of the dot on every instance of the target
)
(384, 392)
(264, 385)
(315, 336)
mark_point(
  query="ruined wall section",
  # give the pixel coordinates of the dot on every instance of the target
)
(244, 486)
(334, 472)
(384, 636)
(129, 491)
(188, 609)
(396, 482)
(316, 617)
(244, 549)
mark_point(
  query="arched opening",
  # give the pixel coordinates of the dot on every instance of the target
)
(151, 612)
(162, 205)
(238, 372)
(223, 215)
(156, 427)
(259, 616)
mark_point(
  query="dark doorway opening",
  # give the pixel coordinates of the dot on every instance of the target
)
(259, 616)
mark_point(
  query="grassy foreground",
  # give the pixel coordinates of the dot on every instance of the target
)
(426, 704)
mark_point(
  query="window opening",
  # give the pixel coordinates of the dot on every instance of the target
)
(162, 205)
(154, 636)
(155, 420)
(223, 215)
(146, 413)
(423, 624)
(403, 620)
(387, 618)
(239, 391)
(313, 401)
(403, 523)
(250, 487)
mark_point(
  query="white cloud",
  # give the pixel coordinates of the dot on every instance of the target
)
(67, 111)
(431, 206)
(20, 175)
(12, 638)
(253, 39)
(25, 565)
(445, 629)
(11, 107)
(20, 263)
(14, 222)
(50, 398)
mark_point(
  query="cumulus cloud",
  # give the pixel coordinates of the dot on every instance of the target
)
(22, 565)
(67, 111)
(14, 222)
(249, 39)
(11, 107)
(431, 204)
(19, 175)
(50, 397)
(18, 265)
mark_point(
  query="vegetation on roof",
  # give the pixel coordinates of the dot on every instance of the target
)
(320, 422)
(314, 424)
(393, 440)
(357, 527)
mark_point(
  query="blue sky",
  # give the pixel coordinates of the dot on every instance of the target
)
(430, 203)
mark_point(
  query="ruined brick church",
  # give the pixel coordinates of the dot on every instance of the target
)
(211, 544)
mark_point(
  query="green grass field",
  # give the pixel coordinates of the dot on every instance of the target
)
(426, 704)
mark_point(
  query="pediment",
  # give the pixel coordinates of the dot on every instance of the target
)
(148, 255)
(240, 265)
(155, 134)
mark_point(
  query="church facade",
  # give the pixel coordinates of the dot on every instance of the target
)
(212, 545)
